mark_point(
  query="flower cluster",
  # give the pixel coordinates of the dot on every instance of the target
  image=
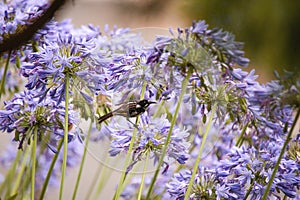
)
(151, 136)
(215, 132)
(23, 115)
(19, 13)
(249, 115)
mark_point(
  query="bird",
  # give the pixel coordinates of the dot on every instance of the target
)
(128, 110)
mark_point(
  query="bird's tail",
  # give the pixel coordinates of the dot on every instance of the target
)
(104, 117)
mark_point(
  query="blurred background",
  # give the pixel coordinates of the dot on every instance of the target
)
(270, 29)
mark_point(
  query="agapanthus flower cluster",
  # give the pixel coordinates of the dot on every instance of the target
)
(23, 115)
(248, 113)
(214, 133)
(17, 14)
(150, 138)
(245, 168)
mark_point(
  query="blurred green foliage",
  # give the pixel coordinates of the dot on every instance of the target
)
(270, 29)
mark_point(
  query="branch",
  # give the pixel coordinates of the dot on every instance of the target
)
(16, 40)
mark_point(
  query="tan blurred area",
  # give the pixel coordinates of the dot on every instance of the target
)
(125, 13)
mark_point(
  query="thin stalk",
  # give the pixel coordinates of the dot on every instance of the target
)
(288, 138)
(21, 171)
(123, 176)
(10, 175)
(33, 158)
(189, 189)
(66, 131)
(174, 118)
(25, 183)
(93, 183)
(158, 110)
(82, 161)
(4, 74)
(102, 174)
(103, 179)
(240, 139)
(12, 172)
(143, 177)
(54, 159)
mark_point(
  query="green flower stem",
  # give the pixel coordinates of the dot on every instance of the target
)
(143, 177)
(103, 179)
(22, 169)
(94, 182)
(66, 130)
(54, 159)
(189, 189)
(12, 172)
(240, 139)
(25, 184)
(10, 175)
(123, 176)
(4, 75)
(82, 161)
(158, 110)
(174, 118)
(33, 159)
(288, 138)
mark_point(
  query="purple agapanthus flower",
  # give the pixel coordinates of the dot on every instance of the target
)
(23, 114)
(152, 134)
(47, 69)
(17, 13)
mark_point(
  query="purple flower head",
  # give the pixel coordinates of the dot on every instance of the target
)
(23, 115)
(60, 55)
(206, 186)
(250, 165)
(151, 137)
(221, 44)
(16, 14)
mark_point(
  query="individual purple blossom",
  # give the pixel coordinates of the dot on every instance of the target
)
(219, 45)
(266, 106)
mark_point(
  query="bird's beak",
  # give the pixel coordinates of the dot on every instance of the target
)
(152, 102)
